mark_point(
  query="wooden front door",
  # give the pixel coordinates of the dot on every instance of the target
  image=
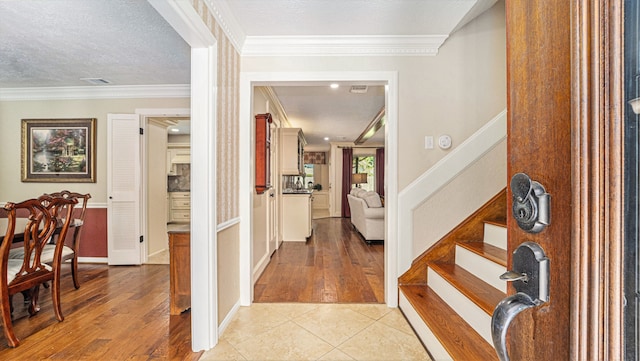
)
(564, 111)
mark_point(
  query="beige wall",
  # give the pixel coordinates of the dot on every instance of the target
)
(157, 202)
(457, 200)
(228, 271)
(455, 92)
(11, 113)
(260, 243)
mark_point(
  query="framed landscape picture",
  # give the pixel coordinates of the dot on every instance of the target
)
(59, 150)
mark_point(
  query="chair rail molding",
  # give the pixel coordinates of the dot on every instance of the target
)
(443, 172)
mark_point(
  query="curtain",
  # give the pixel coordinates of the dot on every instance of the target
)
(380, 171)
(347, 169)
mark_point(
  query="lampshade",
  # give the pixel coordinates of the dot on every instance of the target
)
(635, 105)
(359, 178)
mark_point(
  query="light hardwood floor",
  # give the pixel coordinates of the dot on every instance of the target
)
(119, 313)
(334, 266)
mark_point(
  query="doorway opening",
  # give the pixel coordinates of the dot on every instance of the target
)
(163, 175)
(251, 80)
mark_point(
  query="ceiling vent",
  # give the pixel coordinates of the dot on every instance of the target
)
(359, 89)
(96, 81)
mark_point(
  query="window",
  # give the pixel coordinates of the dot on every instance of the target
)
(308, 175)
(365, 164)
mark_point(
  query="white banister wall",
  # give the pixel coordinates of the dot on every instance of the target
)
(452, 189)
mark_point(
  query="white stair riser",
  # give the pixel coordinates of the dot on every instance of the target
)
(495, 235)
(427, 337)
(479, 320)
(482, 268)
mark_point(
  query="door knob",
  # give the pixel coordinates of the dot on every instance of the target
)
(530, 277)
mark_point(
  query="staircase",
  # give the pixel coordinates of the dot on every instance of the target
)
(449, 293)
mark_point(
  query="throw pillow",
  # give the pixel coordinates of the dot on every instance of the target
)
(373, 199)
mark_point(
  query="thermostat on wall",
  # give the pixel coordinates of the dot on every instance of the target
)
(444, 142)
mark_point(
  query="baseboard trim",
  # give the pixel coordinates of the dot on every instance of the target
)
(92, 260)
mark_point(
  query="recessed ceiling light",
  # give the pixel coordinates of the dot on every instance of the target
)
(334, 86)
(326, 139)
(174, 129)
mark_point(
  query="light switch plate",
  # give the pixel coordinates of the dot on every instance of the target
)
(428, 142)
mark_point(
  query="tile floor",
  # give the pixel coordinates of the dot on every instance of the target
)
(303, 331)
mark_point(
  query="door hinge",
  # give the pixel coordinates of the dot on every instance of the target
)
(141, 131)
(141, 239)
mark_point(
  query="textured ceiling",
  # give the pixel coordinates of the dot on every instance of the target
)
(46, 43)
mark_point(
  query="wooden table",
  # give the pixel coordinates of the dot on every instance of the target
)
(22, 222)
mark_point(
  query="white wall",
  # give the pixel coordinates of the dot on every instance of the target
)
(455, 92)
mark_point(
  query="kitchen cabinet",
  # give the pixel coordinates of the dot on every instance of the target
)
(177, 153)
(296, 217)
(292, 144)
(179, 271)
(179, 206)
(263, 152)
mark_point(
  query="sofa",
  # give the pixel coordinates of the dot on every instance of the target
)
(367, 214)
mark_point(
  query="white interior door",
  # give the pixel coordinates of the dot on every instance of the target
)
(123, 189)
(272, 199)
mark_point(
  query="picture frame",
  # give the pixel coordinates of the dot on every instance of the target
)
(59, 150)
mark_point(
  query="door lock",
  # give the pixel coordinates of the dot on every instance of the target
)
(530, 277)
(531, 204)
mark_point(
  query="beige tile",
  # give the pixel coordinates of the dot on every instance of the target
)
(396, 319)
(222, 352)
(250, 322)
(334, 323)
(336, 355)
(287, 341)
(382, 342)
(372, 310)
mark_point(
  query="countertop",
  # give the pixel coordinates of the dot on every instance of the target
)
(178, 228)
(298, 191)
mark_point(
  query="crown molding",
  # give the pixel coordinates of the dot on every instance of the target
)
(408, 45)
(227, 22)
(97, 92)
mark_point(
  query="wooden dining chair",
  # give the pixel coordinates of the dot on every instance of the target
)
(46, 215)
(71, 246)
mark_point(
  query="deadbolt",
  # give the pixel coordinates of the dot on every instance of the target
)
(531, 203)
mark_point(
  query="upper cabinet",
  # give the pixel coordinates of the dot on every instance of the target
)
(292, 144)
(177, 153)
(263, 152)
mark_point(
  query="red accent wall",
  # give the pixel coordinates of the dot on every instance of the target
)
(94, 233)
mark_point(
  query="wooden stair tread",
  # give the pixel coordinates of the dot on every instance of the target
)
(479, 292)
(455, 335)
(498, 222)
(493, 253)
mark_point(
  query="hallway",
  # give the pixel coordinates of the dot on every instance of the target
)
(334, 266)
